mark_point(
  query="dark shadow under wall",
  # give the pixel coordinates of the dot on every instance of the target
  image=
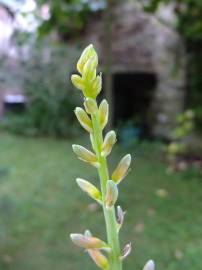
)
(132, 94)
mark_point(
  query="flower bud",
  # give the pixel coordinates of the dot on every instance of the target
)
(103, 112)
(83, 119)
(88, 233)
(85, 155)
(122, 169)
(87, 242)
(89, 188)
(99, 259)
(77, 81)
(109, 141)
(89, 70)
(149, 265)
(97, 86)
(120, 216)
(90, 105)
(87, 54)
(126, 251)
(111, 194)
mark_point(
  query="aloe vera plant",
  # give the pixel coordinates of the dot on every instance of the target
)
(93, 118)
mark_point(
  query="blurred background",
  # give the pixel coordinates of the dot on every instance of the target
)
(151, 60)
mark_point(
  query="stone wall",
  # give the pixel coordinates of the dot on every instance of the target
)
(142, 44)
(6, 31)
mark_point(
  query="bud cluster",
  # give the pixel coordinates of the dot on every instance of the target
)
(93, 118)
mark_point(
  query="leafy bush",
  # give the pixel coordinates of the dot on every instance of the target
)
(50, 97)
(184, 128)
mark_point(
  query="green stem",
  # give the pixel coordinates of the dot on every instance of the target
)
(109, 214)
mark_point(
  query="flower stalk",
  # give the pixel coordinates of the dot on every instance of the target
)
(93, 118)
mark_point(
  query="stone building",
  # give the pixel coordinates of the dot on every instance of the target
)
(148, 66)
(6, 31)
(9, 82)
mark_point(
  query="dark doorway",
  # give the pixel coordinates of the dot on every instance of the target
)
(133, 94)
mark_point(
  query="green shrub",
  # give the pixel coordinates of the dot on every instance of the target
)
(50, 98)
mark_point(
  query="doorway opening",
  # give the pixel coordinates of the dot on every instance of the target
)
(132, 97)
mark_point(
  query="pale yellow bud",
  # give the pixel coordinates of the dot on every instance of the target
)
(149, 265)
(77, 82)
(90, 105)
(89, 71)
(89, 188)
(103, 112)
(111, 194)
(97, 86)
(87, 242)
(85, 56)
(83, 119)
(85, 155)
(122, 169)
(109, 141)
(99, 259)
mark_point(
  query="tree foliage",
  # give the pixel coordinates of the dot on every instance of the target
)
(67, 17)
(189, 14)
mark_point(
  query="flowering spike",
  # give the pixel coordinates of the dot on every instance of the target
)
(87, 242)
(111, 194)
(150, 265)
(122, 169)
(104, 113)
(83, 119)
(94, 119)
(85, 155)
(87, 53)
(89, 188)
(126, 252)
(90, 105)
(109, 141)
(99, 259)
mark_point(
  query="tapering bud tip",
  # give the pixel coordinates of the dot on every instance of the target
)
(122, 169)
(88, 52)
(150, 265)
(83, 119)
(77, 81)
(111, 194)
(120, 216)
(87, 242)
(104, 113)
(90, 105)
(97, 85)
(89, 188)
(89, 71)
(126, 251)
(85, 155)
(109, 141)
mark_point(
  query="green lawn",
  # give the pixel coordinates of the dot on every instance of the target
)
(40, 205)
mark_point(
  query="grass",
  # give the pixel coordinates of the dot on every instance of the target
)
(40, 205)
